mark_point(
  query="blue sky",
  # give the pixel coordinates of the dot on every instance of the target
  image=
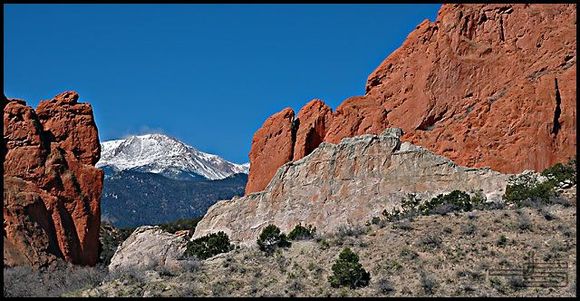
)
(208, 75)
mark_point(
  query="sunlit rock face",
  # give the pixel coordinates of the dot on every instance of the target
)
(346, 183)
(484, 85)
(51, 188)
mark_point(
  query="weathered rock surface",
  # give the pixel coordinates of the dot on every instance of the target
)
(315, 119)
(149, 248)
(346, 183)
(484, 85)
(272, 146)
(51, 188)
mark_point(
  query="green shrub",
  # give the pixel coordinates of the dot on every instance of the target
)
(502, 240)
(301, 232)
(454, 201)
(563, 175)
(392, 216)
(409, 208)
(324, 244)
(272, 238)
(526, 189)
(347, 271)
(410, 202)
(478, 199)
(209, 245)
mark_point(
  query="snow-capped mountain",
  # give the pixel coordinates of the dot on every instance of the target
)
(161, 154)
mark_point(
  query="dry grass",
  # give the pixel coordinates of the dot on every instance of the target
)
(429, 256)
(50, 282)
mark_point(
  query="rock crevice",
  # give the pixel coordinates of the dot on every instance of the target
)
(557, 110)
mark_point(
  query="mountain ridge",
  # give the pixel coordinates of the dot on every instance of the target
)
(132, 198)
(166, 155)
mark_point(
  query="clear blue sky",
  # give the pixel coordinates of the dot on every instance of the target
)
(208, 75)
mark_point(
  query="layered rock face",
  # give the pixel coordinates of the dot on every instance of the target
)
(346, 183)
(484, 85)
(51, 188)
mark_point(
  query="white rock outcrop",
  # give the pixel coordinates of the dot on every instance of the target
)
(346, 183)
(148, 248)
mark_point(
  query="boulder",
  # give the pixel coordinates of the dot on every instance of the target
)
(148, 248)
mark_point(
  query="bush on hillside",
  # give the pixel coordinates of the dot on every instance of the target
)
(347, 271)
(456, 200)
(527, 186)
(525, 189)
(561, 175)
(409, 208)
(443, 203)
(300, 232)
(272, 238)
(209, 245)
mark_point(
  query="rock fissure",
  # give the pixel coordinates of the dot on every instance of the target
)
(557, 110)
(501, 29)
(293, 131)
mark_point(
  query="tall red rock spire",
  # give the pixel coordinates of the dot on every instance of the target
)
(51, 188)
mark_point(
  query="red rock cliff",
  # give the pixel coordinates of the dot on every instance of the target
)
(484, 85)
(51, 188)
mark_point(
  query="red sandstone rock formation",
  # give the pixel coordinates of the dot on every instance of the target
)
(51, 188)
(273, 145)
(315, 119)
(484, 85)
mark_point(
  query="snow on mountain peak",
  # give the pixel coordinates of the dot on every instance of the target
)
(158, 153)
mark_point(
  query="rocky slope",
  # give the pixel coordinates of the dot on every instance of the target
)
(346, 183)
(51, 188)
(157, 153)
(448, 255)
(484, 85)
